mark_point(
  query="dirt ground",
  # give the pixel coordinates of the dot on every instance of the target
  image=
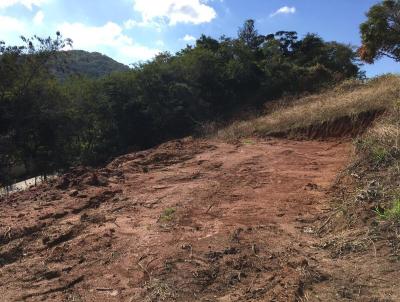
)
(191, 220)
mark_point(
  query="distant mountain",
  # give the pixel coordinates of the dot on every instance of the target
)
(90, 64)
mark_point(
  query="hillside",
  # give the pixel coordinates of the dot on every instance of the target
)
(90, 64)
(298, 204)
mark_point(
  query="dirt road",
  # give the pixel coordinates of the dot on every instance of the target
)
(191, 220)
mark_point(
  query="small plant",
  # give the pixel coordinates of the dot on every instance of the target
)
(375, 148)
(380, 154)
(248, 142)
(168, 214)
(392, 213)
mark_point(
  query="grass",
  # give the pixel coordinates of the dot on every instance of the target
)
(381, 143)
(379, 154)
(346, 100)
(379, 151)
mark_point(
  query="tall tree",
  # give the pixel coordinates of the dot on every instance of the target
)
(380, 34)
(248, 34)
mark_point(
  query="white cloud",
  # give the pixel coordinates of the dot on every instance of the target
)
(11, 26)
(174, 11)
(27, 3)
(38, 18)
(285, 10)
(129, 24)
(109, 39)
(188, 38)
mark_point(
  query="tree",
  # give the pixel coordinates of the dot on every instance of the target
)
(207, 43)
(380, 34)
(287, 40)
(30, 115)
(249, 35)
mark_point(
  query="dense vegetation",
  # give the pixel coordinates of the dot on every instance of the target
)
(83, 63)
(48, 125)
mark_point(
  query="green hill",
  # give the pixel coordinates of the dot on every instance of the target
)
(90, 64)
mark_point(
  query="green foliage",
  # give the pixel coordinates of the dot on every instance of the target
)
(380, 34)
(392, 213)
(48, 124)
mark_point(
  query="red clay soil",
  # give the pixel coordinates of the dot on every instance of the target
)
(191, 220)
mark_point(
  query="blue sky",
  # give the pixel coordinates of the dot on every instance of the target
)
(133, 30)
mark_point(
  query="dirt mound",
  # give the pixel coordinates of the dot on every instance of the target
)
(191, 220)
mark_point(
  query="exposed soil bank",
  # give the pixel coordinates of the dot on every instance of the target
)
(344, 126)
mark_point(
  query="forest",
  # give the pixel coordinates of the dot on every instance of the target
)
(49, 122)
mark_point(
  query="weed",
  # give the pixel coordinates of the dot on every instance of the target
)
(392, 213)
(168, 214)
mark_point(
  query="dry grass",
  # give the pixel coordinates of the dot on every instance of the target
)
(346, 100)
(376, 168)
(381, 143)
